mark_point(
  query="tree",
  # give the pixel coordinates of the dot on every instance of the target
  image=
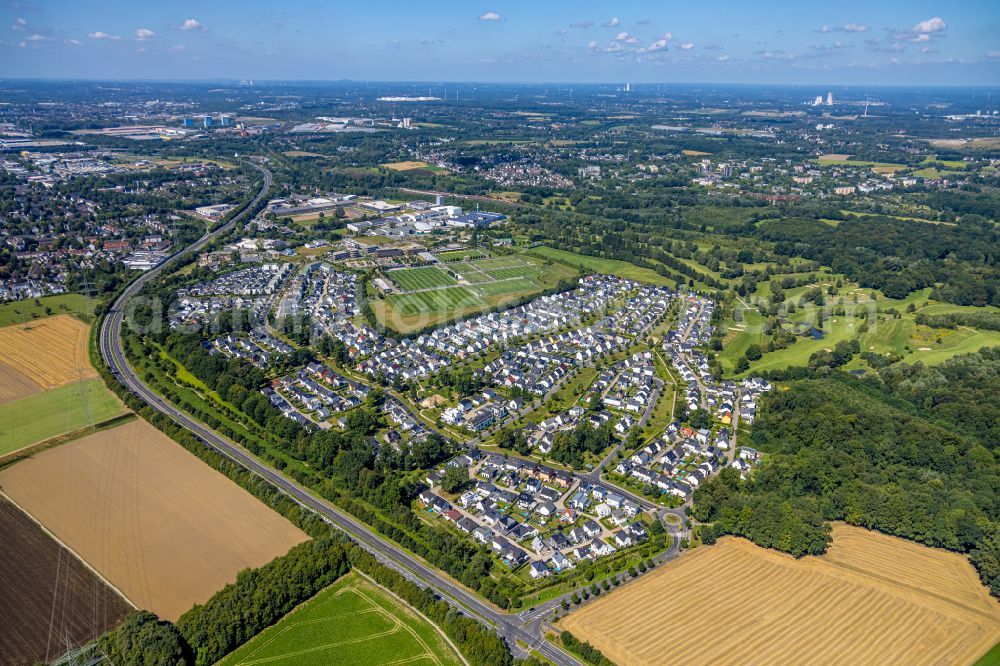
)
(753, 353)
(455, 479)
(145, 640)
(742, 364)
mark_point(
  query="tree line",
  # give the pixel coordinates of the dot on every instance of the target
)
(910, 451)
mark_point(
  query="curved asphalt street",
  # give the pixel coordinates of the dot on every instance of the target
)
(509, 627)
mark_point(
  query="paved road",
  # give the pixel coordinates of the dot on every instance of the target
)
(510, 627)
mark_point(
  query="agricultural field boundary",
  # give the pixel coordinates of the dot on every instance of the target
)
(66, 546)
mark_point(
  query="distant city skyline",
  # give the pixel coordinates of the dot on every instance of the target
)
(847, 43)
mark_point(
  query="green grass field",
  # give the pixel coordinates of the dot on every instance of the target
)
(426, 277)
(514, 286)
(431, 296)
(16, 312)
(452, 298)
(459, 255)
(622, 269)
(351, 622)
(991, 658)
(514, 272)
(38, 417)
(886, 334)
(886, 167)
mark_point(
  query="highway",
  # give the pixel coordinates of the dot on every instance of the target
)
(510, 627)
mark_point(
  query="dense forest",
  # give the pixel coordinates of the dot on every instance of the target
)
(900, 256)
(911, 452)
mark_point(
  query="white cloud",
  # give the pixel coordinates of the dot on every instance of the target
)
(142, 34)
(19, 24)
(191, 25)
(993, 55)
(177, 48)
(775, 55)
(847, 27)
(686, 46)
(74, 42)
(37, 38)
(102, 35)
(935, 24)
(613, 47)
(723, 58)
(489, 16)
(660, 44)
(582, 25)
(613, 22)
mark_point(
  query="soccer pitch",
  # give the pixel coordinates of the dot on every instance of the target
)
(435, 300)
(413, 279)
(351, 622)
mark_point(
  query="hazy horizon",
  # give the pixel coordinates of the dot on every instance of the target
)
(852, 43)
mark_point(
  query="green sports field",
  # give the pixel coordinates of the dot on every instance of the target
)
(38, 417)
(514, 272)
(351, 622)
(506, 287)
(451, 298)
(427, 277)
(430, 296)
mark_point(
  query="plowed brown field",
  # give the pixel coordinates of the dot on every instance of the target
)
(50, 352)
(872, 599)
(49, 600)
(158, 523)
(14, 385)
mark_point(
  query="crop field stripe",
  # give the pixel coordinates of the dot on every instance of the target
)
(872, 599)
(51, 351)
(322, 630)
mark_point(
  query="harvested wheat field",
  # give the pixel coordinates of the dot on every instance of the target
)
(14, 385)
(873, 599)
(50, 352)
(158, 523)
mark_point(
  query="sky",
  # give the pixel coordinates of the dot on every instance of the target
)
(874, 42)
